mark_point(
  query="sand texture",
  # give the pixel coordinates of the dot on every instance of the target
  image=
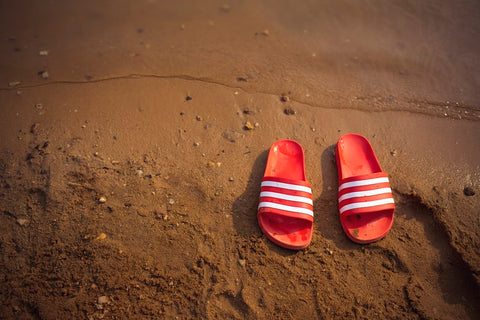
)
(134, 136)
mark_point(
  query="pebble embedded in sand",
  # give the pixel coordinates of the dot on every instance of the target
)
(34, 127)
(468, 191)
(242, 262)
(102, 199)
(394, 152)
(289, 111)
(102, 300)
(44, 74)
(248, 125)
(13, 83)
(101, 236)
(284, 98)
(22, 221)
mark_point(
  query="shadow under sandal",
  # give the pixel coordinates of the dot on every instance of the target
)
(365, 199)
(285, 210)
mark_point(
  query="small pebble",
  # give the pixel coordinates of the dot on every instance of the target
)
(394, 152)
(171, 201)
(43, 53)
(198, 118)
(34, 127)
(22, 221)
(102, 199)
(44, 74)
(248, 126)
(230, 179)
(284, 98)
(101, 236)
(196, 144)
(468, 191)
(13, 83)
(102, 300)
(289, 111)
(188, 98)
(242, 262)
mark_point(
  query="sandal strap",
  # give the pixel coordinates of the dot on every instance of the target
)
(286, 197)
(365, 193)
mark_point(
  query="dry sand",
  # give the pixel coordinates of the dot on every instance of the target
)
(129, 185)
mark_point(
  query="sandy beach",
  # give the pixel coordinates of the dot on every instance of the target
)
(134, 137)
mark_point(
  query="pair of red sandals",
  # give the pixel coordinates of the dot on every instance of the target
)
(365, 201)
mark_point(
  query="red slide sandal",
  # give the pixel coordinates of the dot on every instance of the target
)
(285, 210)
(365, 200)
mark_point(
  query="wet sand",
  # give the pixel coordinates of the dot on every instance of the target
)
(144, 104)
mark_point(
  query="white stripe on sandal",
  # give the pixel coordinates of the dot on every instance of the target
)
(287, 186)
(265, 204)
(360, 183)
